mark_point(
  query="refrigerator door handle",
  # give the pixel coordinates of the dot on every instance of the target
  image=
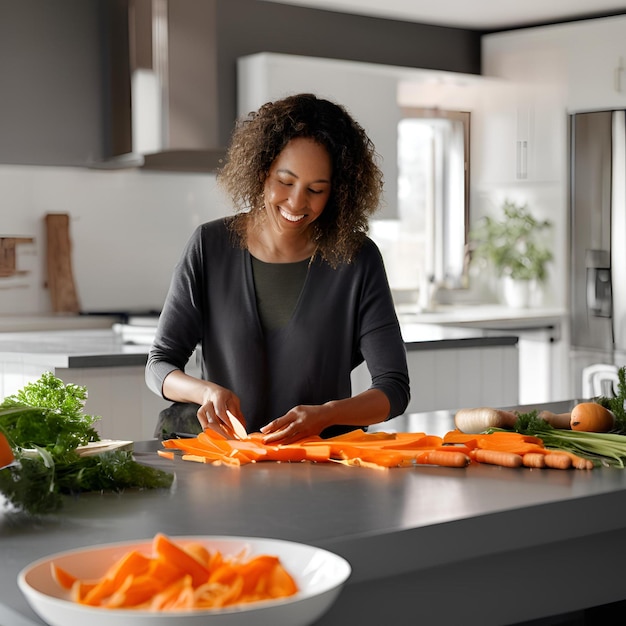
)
(618, 229)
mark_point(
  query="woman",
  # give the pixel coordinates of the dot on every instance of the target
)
(289, 295)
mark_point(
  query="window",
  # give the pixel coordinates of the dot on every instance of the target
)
(433, 148)
(433, 198)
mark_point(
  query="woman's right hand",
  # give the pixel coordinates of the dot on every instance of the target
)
(217, 403)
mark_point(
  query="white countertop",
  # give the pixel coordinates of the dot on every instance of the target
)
(51, 321)
(444, 315)
(492, 316)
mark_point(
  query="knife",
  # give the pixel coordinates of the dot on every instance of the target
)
(239, 430)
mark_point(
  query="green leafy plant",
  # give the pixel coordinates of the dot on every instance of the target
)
(514, 245)
(44, 423)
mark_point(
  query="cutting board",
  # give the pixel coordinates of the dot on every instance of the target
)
(60, 276)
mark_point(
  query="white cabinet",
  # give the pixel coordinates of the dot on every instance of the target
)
(586, 58)
(597, 65)
(456, 377)
(368, 92)
(521, 134)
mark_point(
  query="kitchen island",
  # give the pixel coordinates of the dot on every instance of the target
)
(482, 545)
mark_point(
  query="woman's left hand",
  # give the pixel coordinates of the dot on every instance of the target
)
(300, 422)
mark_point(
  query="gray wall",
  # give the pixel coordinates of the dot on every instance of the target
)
(249, 26)
(53, 101)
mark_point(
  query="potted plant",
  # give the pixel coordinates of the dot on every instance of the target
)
(516, 249)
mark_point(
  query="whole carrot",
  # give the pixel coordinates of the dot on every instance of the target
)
(443, 458)
(534, 459)
(498, 457)
(558, 460)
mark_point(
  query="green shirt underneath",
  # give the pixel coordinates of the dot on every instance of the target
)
(278, 287)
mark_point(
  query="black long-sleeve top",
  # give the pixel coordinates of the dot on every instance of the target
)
(343, 316)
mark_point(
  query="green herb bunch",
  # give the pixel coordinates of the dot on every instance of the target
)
(44, 423)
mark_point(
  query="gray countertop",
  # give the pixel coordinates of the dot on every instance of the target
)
(481, 545)
(108, 348)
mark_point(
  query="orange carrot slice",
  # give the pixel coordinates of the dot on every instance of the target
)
(173, 553)
(62, 577)
(132, 564)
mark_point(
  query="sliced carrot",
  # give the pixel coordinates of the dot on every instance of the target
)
(317, 453)
(80, 589)
(162, 545)
(214, 595)
(423, 441)
(62, 577)
(199, 552)
(358, 462)
(359, 434)
(167, 454)
(256, 572)
(281, 584)
(286, 453)
(133, 591)
(167, 582)
(132, 564)
(215, 460)
(168, 597)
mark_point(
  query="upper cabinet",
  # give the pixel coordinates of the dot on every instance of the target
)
(520, 136)
(369, 92)
(597, 67)
(585, 59)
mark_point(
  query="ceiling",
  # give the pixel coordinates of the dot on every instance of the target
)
(472, 14)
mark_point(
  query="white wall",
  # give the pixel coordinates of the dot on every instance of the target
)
(127, 227)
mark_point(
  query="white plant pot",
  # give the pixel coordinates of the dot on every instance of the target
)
(516, 293)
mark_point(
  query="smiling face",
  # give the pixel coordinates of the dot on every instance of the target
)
(297, 188)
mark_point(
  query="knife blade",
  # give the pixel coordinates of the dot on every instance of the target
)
(238, 428)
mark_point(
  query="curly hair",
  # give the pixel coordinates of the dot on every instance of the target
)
(357, 179)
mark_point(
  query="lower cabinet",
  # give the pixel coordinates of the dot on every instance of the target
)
(457, 377)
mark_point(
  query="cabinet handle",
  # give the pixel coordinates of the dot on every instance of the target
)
(522, 160)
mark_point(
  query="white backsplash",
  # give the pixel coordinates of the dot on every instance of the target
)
(127, 230)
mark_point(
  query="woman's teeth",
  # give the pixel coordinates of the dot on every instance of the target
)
(291, 218)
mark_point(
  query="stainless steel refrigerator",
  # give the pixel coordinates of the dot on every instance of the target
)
(597, 241)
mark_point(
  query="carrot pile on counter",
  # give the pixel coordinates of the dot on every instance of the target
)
(378, 450)
(180, 576)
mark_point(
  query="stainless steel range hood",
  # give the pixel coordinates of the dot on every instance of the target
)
(163, 86)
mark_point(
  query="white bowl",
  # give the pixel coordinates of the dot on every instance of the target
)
(320, 576)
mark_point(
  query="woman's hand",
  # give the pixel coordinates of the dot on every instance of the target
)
(300, 422)
(368, 407)
(217, 403)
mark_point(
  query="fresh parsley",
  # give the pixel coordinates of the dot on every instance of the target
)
(44, 423)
